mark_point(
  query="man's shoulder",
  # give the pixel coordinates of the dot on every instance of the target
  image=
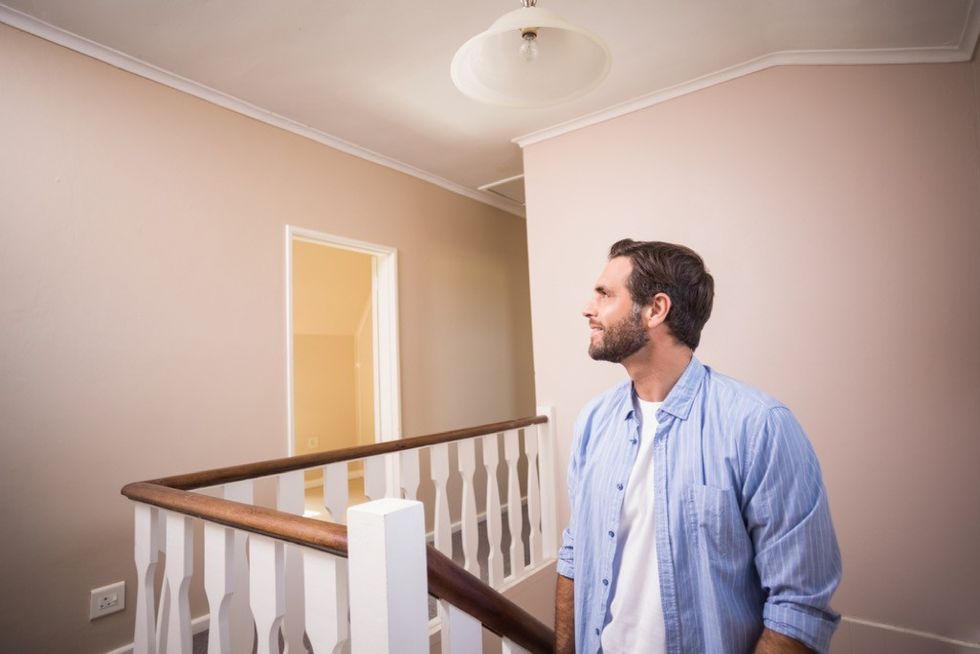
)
(735, 395)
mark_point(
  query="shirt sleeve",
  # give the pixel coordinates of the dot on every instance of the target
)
(788, 518)
(566, 553)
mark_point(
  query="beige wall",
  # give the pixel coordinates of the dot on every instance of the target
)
(839, 210)
(142, 311)
(325, 392)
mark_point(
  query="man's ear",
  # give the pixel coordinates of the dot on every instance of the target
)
(659, 307)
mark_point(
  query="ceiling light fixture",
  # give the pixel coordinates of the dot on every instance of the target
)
(530, 57)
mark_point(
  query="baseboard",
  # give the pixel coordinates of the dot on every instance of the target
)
(911, 632)
(198, 624)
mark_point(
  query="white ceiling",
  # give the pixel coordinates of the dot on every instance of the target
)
(372, 76)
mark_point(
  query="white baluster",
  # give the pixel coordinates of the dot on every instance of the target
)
(336, 492)
(409, 460)
(512, 452)
(466, 455)
(291, 498)
(326, 601)
(460, 633)
(386, 541)
(240, 622)
(508, 646)
(147, 555)
(442, 526)
(163, 607)
(495, 559)
(549, 505)
(374, 477)
(180, 567)
(266, 590)
(533, 494)
(219, 560)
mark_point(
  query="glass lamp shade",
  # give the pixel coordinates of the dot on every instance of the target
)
(492, 67)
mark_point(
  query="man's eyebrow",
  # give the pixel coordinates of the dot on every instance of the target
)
(601, 289)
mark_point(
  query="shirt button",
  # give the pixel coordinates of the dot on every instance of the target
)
(633, 441)
(611, 535)
(597, 631)
(605, 582)
(619, 487)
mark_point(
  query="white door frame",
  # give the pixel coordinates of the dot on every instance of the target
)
(384, 308)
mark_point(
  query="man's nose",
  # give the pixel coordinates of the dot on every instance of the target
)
(588, 310)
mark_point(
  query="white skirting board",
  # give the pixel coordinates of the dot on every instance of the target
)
(198, 624)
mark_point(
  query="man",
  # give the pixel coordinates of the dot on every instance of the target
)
(699, 522)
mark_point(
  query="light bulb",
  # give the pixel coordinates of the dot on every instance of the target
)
(529, 46)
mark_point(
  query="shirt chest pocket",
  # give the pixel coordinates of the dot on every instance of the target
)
(714, 522)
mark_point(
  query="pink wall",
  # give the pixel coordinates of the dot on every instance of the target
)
(839, 210)
(142, 312)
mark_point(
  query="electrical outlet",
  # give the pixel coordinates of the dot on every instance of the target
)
(106, 600)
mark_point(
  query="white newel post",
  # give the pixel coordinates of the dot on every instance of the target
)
(219, 560)
(147, 555)
(180, 567)
(266, 590)
(388, 589)
(549, 506)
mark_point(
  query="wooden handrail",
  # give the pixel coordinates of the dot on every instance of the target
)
(447, 580)
(229, 474)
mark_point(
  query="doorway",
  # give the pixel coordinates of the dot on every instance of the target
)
(342, 349)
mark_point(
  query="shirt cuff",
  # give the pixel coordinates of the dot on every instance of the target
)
(566, 569)
(811, 629)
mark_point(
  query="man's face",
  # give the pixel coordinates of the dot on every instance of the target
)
(616, 326)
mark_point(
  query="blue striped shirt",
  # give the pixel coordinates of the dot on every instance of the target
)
(743, 530)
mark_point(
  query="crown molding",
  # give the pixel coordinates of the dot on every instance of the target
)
(944, 54)
(123, 61)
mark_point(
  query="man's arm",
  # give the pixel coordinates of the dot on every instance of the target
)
(773, 642)
(796, 554)
(564, 616)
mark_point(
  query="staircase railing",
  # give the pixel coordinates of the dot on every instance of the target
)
(271, 573)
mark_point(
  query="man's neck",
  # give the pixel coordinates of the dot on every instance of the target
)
(655, 372)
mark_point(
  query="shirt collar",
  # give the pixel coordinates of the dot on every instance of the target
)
(678, 402)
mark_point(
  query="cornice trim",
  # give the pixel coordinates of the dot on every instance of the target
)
(946, 54)
(122, 61)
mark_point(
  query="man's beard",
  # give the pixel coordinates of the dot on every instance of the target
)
(621, 339)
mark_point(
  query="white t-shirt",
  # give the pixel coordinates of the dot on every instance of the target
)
(636, 621)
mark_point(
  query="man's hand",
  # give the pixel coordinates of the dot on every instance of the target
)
(564, 616)
(772, 642)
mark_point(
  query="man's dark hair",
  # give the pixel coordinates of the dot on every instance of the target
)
(678, 272)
